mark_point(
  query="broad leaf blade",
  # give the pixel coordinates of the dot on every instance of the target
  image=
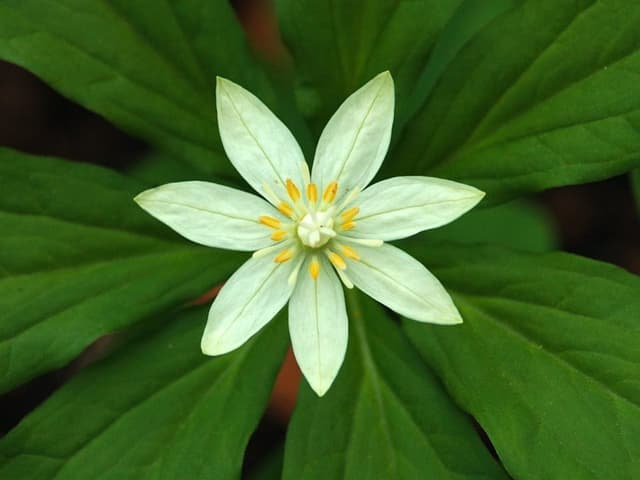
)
(547, 94)
(470, 17)
(338, 46)
(148, 66)
(156, 409)
(547, 359)
(386, 416)
(79, 259)
(518, 224)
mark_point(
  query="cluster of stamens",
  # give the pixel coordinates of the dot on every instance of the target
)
(315, 227)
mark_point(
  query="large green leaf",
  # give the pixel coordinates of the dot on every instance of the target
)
(79, 259)
(517, 224)
(546, 94)
(339, 45)
(149, 66)
(157, 409)
(386, 416)
(547, 359)
(468, 19)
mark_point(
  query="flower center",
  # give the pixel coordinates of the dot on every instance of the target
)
(316, 229)
(312, 221)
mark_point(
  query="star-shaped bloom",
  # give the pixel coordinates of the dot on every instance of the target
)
(312, 231)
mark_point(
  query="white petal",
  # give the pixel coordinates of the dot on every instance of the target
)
(249, 299)
(318, 326)
(211, 214)
(403, 206)
(356, 139)
(258, 144)
(403, 284)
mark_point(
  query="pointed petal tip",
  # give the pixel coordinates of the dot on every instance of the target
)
(454, 317)
(142, 196)
(449, 317)
(386, 75)
(223, 83)
(212, 347)
(386, 78)
(320, 387)
(479, 197)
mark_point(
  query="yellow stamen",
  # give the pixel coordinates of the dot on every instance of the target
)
(337, 261)
(348, 225)
(283, 256)
(349, 252)
(278, 235)
(286, 209)
(330, 192)
(312, 192)
(349, 214)
(314, 268)
(269, 221)
(292, 190)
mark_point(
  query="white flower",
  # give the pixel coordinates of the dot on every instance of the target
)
(312, 226)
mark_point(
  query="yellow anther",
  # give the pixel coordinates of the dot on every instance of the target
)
(292, 190)
(283, 256)
(314, 268)
(337, 261)
(278, 235)
(312, 192)
(269, 221)
(347, 226)
(285, 209)
(349, 214)
(349, 252)
(330, 192)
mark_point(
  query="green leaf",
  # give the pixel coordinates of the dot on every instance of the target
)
(547, 94)
(79, 259)
(386, 416)
(470, 17)
(517, 224)
(158, 168)
(149, 66)
(157, 409)
(338, 46)
(547, 359)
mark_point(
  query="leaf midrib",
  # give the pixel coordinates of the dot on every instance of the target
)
(75, 302)
(144, 400)
(372, 373)
(379, 383)
(559, 360)
(81, 224)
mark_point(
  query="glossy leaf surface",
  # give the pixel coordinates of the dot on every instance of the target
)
(78, 259)
(156, 409)
(148, 66)
(547, 358)
(546, 94)
(386, 416)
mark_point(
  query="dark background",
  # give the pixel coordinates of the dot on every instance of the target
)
(597, 220)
